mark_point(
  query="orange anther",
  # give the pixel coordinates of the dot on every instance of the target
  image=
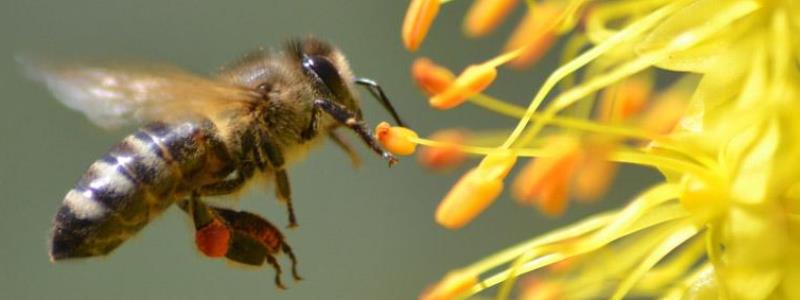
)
(396, 139)
(474, 79)
(447, 156)
(451, 286)
(430, 77)
(418, 19)
(475, 191)
(498, 164)
(625, 99)
(535, 34)
(665, 113)
(540, 289)
(553, 198)
(595, 172)
(485, 15)
(545, 181)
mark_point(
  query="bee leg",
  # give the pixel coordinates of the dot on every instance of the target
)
(288, 250)
(229, 185)
(283, 190)
(247, 250)
(271, 260)
(339, 141)
(375, 89)
(212, 235)
(349, 119)
(313, 125)
(284, 193)
(238, 236)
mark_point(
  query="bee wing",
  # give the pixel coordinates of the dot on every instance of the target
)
(116, 95)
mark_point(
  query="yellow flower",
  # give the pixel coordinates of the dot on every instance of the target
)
(724, 222)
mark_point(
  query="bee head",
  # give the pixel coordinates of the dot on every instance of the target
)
(326, 68)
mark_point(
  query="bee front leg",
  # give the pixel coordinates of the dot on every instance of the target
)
(347, 118)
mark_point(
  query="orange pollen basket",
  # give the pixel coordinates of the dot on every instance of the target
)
(213, 239)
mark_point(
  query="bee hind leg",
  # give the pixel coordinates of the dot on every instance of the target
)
(212, 235)
(288, 250)
(241, 237)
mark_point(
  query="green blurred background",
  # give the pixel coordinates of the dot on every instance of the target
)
(364, 234)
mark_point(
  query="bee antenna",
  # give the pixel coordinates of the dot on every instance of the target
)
(375, 89)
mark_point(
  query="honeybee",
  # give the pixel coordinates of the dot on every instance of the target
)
(203, 137)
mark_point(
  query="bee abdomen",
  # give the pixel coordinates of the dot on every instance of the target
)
(124, 190)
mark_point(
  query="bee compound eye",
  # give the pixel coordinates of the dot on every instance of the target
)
(323, 70)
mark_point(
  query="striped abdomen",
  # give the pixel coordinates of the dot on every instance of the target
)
(128, 187)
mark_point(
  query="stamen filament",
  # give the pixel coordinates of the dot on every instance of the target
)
(619, 155)
(673, 241)
(643, 61)
(634, 30)
(667, 214)
(666, 142)
(606, 226)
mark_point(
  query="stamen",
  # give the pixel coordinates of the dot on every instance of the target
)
(475, 191)
(398, 140)
(471, 81)
(451, 286)
(441, 158)
(430, 77)
(418, 20)
(485, 15)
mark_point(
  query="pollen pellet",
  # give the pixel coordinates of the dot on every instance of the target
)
(485, 15)
(213, 239)
(430, 77)
(474, 79)
(396, 139)
(418, 20)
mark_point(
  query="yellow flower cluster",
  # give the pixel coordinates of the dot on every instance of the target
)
(725, 221)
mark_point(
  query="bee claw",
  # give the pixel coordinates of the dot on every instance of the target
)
(390, 158)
